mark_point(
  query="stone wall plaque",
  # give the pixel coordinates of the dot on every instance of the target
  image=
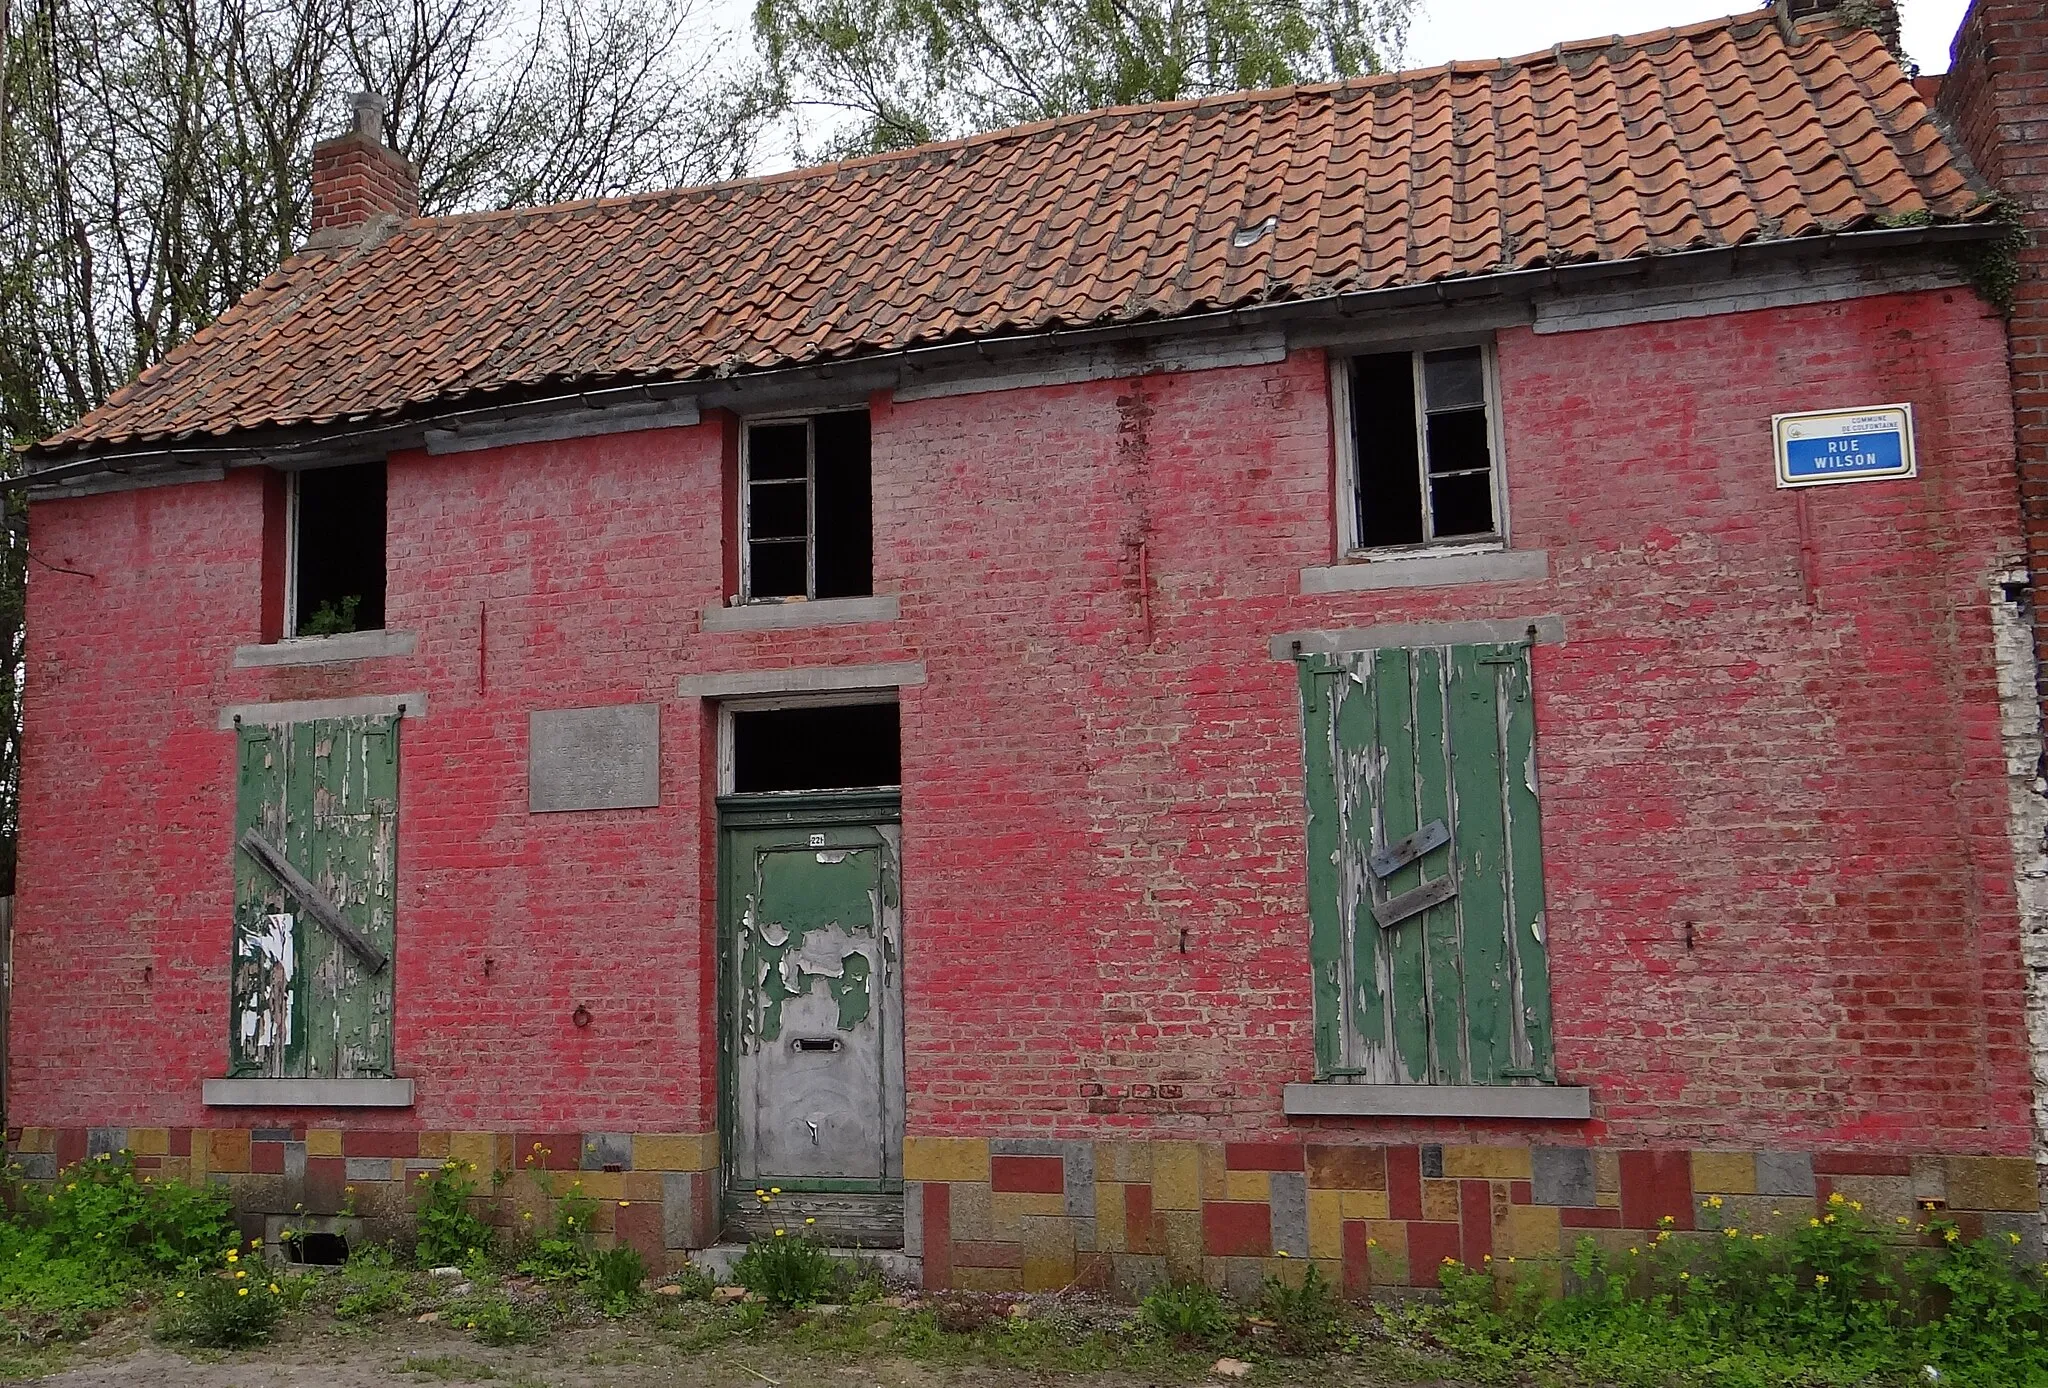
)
(594, 758)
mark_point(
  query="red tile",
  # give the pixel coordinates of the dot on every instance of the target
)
(1861, 1164)
(530, 1151)
(1237, 1229)
(1655, 1185)
(1572, 1218)
(356, 1142)
(938, 1234)
(266, 1158)
(1404, 1182)
(970, 1254)
(181, 1142)
(1263, 1156)
(1475, 1218)
(1357, 1260)
(1138, 1218)
(1428, 1246)
(1027, 1175)
(1521, 1193)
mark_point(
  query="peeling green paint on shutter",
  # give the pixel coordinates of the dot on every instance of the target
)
(302, 1003)
(1459, 992)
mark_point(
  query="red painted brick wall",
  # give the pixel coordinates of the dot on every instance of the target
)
(1818, 790)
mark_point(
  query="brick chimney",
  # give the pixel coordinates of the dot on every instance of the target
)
(359, 182)
(1994, 102)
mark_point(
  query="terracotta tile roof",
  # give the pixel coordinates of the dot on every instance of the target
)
(1705, 136)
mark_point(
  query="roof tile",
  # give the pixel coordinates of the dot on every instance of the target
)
(1716, 134)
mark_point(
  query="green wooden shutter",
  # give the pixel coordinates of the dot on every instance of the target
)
(1458, 993)
(302, 1004)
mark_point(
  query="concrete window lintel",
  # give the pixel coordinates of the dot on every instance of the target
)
(1427, 571)
(327, 650)
(1437, 1101)
(288, 1093)
(307, 710)
(791, 616)
(816, 679)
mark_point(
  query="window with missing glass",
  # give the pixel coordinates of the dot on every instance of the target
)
(1425, 464)
(807, 513)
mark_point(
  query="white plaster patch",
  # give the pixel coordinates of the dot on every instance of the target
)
(2019, 727)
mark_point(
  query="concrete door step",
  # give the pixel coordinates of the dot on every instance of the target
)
(896, 1265)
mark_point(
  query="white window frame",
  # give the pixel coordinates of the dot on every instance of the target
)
(1346, 500)
(291, 555)
(745, 520)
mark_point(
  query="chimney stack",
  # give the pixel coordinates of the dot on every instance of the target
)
(359, 182)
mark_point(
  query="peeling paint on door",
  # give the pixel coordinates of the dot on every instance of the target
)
(325, 794)
(815, 1024)
(1435, 972)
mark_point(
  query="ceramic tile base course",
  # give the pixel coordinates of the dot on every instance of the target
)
(1017, 1214)
(1007, 1214)
(654, 1191)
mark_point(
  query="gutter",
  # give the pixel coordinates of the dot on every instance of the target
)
(305, 445)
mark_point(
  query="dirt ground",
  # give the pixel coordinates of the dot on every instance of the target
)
(386, 1356)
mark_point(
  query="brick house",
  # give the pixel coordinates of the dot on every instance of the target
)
(1116, 698)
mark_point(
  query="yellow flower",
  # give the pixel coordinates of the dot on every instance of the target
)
(813, 1221)
(241, 1291)
(1904, 1220)
(1632, 1252)
(624, 1203)
(1714, 1202)
(1827, 1219)
(1756, 1238)
(242, 1272)
(775, 1190)
(1283, 1253)
(1856, 1205)
(778, 1233)
(2012, 1238)
(759, 1191)
(1372, 1243)
(1834, 1197)
(1685, 1277)
(234, 1256)
(1486, 1258)
(1813, 1224)
(528, 1214)
(181, 1294)
(255, 1243)
(1731, 1231)
(273, 1286)
(1820, 1279)
(1950, 1234)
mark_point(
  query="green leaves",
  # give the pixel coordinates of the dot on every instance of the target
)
(909, 71)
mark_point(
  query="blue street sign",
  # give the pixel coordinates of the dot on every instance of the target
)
(1829, 446)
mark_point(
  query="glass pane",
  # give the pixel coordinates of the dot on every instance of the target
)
(777, 450)
(778, 511)
(1462, 505)
(1453, 379)
(1389, 487)
(776, 570)
(1458, 442)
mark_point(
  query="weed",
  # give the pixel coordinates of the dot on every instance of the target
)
(958, 1313)
(370, 1286)
(449, 1230)
(493, 1319)
(615, 1277)
(562, 1255)
(232, 1304)
(1307, 1316)
(787, 1271)
(694, 1284)
(1186, 1312)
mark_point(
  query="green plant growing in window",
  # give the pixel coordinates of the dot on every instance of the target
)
(449, 1231)
(332, 618)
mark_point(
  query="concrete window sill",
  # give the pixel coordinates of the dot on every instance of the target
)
(269, 1093)
(1427, 571)
(792, 616)
(326, 650)
(1437, 1101)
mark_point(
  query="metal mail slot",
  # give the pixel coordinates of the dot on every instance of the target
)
(815, 1043)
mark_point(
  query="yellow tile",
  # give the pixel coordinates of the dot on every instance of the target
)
(478, 1149)
(1991, 1183)
(37, 1142)
(1182, 1230)
(1215, 1171)
(644, 1185)
(945, 1159)
(989, 1279)
(323, 1142)
(149, 1142)
(1440, 1200)
(1724, 1173)
(227, 1149)
(1325, 1224)
(434, 1145)
(1527, 1231)
(1255, 1186)
(1607, 1171)
(1109, 1217)
(1607, 1199)
(603, 1185)
(677, 1152)
(175, 1169)
(1487, 1163)
(1176, 1176)
(1364, 1204)
(1128, 1162)
(1008, 1211)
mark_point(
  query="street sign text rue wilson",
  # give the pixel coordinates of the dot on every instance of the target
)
(1829, 446)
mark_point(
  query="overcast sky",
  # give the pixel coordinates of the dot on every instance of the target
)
(1447, 29)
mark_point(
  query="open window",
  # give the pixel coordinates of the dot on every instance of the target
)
(1424, 456)
(813, 747)
(334, 566)
(806, 515)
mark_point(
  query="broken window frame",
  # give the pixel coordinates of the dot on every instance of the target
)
(768, 703)
(1350, 496)
(291, 555)
(744, 522)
